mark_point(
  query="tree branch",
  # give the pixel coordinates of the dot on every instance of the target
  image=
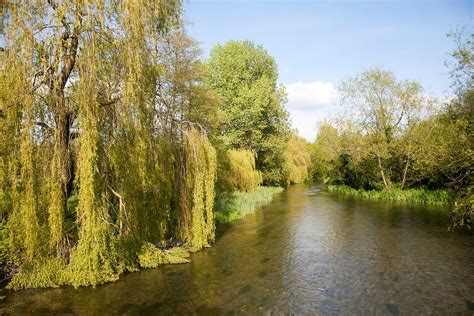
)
(45, 126)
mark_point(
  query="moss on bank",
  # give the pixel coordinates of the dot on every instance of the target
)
(233, 206)
(415, 195)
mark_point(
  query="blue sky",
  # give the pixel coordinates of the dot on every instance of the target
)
(319, 43)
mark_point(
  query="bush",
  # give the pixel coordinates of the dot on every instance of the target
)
(150, 256)
(7, 259)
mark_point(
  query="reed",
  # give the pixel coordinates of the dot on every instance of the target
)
(415, 195)
(235, 205)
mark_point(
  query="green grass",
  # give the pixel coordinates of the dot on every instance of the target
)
(415, 195)
(233, 206)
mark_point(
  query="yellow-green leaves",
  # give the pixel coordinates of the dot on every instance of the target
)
(200, 172)
(298, 160)
(237, 171)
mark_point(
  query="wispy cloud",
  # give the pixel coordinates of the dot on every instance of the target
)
(310, 103)
(311, 95)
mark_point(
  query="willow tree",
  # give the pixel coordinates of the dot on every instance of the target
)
(298, 160)
(104, 144)
(186, 112)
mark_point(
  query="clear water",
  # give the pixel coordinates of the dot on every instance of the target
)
(308, 252)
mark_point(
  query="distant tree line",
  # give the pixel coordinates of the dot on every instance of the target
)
(393, 137)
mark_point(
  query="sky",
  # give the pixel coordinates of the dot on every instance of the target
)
(318, 44)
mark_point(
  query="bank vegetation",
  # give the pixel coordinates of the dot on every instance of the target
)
(116, 137)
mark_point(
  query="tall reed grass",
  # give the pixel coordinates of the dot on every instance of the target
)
(235, 205)
(415, 195)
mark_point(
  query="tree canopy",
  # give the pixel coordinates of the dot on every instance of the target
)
(245, 78)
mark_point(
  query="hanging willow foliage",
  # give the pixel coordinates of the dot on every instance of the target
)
(100, 155)
(197, 221)
(237, 171)
(94, 258)
(297, 160)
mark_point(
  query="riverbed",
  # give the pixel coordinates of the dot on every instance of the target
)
(307, 252)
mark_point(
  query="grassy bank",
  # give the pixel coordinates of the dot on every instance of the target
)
(417, 195)
(236, 205)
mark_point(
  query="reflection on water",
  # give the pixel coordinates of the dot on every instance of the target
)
(307, 252)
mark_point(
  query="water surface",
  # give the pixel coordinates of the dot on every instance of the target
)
(307, 252)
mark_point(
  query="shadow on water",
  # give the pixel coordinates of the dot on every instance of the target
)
(308, 251)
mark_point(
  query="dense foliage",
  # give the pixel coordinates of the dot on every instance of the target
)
(245, 79)
(237, 171)
(297, 160)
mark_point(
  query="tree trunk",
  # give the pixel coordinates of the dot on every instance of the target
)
(61, 175)
(63, 126)
(385, 182)
(405, 171)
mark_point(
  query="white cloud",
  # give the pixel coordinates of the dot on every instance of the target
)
(310, 103)
(311, 95)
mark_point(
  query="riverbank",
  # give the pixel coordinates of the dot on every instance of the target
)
(131, 256)
(415, 195)
(236, 205)
(128, 256)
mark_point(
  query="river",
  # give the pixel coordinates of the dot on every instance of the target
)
(307, 252)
